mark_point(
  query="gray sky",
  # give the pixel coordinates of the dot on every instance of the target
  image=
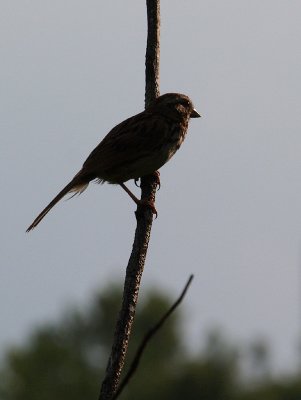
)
(229, 206)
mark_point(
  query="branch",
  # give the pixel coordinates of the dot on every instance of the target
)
(144, 218)
(147, 338)
(152, 57)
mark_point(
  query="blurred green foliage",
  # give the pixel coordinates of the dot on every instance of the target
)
(66, 360)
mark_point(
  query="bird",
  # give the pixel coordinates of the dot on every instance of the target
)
(138, 146)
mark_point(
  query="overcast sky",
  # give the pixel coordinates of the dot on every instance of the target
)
(229, 206)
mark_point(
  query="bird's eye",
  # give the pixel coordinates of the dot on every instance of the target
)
(185, 102)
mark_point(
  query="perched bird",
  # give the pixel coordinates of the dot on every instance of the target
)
(136, 147)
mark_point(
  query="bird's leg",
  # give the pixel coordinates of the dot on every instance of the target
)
(143, 203)
(132, 196)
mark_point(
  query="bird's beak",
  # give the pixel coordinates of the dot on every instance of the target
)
(194, 114)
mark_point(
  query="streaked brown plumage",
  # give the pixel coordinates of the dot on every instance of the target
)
(138, 146)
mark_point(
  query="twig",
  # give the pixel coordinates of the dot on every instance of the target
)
(144, 223)
(147, 338)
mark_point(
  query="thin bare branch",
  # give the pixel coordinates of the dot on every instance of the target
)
(152, 56)
(144, 223)
(147, 338)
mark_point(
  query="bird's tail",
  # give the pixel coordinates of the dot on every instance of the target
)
(77, 186)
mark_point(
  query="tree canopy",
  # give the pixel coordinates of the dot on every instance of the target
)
(66, 360)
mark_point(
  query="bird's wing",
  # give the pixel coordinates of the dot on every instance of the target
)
(134, 136)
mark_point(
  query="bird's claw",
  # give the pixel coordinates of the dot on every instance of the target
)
(157, 179)
(149, 204)
(156, 175)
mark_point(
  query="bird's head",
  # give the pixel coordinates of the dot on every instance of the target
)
(177, 105)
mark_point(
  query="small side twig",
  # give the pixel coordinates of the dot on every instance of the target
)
(147, 338)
